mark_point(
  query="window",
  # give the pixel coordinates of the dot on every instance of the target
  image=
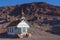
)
(18, 30)
(24, 30)
(11, 29)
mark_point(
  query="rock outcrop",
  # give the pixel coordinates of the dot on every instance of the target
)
(39, 13)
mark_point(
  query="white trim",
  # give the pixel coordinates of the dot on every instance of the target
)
(23, 24)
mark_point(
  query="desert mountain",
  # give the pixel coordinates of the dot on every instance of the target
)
(40, 14)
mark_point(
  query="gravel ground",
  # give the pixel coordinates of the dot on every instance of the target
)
(37, 34)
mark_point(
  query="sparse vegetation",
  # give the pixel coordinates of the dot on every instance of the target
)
(41, 14)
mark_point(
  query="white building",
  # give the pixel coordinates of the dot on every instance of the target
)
(18, 27)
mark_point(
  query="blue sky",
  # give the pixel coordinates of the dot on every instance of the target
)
(14, 2)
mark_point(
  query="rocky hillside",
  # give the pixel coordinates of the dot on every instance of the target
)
(39, 14)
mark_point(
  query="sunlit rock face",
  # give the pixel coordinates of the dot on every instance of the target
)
(35, 13)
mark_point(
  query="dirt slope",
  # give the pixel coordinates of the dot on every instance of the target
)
(37, 34)
(39, 14)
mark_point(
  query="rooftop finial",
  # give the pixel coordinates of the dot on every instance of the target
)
(23, 15)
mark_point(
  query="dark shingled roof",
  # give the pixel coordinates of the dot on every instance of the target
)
(14, 23)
